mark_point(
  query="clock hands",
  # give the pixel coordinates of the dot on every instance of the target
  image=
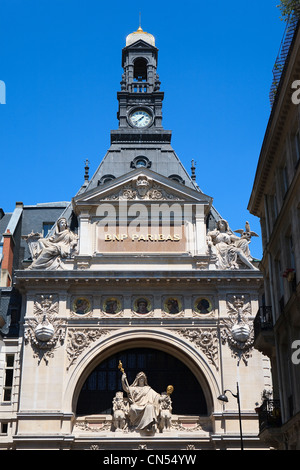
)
(140, 119)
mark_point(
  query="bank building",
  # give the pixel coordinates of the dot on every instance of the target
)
(127, 313)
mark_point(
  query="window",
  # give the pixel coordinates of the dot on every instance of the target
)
(162, 369)
(47, 226)
(3, 428)
(8, 377)
(177, 178)
(140, 70)
(140, 162)
(106, 179)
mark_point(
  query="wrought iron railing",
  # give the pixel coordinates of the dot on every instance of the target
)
(269, 414)
(283, 53)
(263, 320)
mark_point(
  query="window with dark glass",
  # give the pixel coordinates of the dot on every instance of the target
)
(162, 369)
(8, 377)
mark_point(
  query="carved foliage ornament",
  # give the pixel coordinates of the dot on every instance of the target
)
(205, 339)
(80, 339)
(45, 332)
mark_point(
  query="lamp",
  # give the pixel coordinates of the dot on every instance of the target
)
(224, 399)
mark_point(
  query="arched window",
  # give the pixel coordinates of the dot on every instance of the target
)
(140, 162)
(140, 70)
(177, 178)
(106, 179)
(162, 369)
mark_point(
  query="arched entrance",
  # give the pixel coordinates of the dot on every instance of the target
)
(161, 368)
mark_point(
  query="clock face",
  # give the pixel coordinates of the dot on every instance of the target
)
(140, 118)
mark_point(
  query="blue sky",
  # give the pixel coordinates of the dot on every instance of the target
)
(61, 63)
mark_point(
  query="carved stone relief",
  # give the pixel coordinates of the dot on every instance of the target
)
(237, 330)
(143, 188)
(206, 339)
(80, 339)
(228, 251)
(48, 253)
(45, 332)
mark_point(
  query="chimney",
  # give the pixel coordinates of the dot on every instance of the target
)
(7, 259)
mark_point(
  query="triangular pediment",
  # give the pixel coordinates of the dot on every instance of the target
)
(140, 44)
(141, 185)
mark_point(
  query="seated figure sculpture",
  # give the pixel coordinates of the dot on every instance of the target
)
(50, 251)
(229, 250)
(146, 405)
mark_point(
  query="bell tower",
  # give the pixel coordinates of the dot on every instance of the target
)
(140, 98)
(139, 139)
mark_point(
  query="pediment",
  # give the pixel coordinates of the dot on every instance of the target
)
(140, 44)
(141, 185)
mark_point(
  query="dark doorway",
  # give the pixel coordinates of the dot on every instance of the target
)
(162, 369)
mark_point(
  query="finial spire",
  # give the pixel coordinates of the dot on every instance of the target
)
(86, 168)
(140, 22)
(193, 168)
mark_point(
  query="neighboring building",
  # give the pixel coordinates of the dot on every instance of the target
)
(275, 199)
(140, 272)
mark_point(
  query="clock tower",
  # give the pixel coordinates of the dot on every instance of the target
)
(140, 139)
(140, 98)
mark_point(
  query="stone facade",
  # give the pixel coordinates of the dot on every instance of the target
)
(151, 279)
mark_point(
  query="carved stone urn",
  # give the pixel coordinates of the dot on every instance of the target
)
(44, 331)
(240, 332)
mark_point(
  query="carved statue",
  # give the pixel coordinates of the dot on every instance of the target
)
(165, 411)
(120, 410)
(229, 249)
(144, 409)
(144, 405)
(50, 251)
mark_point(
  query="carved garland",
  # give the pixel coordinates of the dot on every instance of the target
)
(80, 339)
(204, 339)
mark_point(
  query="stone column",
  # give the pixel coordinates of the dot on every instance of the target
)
(200, 231)
(85, 235)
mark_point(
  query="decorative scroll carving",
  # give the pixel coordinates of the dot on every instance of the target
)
(204, 339)
(80, 339)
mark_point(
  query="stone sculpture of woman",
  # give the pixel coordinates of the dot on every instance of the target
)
(50, 251)
(229, 249)
(144, 402)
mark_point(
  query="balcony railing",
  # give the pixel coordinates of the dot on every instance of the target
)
(263, 320)
(140, 87)
(269, 415)
(283, 53)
